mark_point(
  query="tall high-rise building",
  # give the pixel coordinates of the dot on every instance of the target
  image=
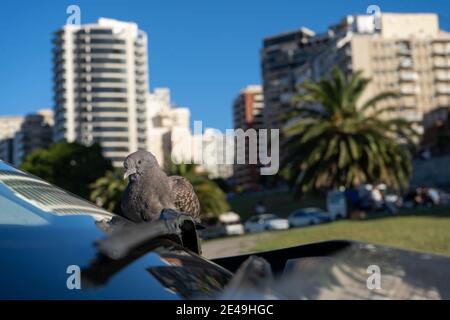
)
(247, 114)
(9, 125)
(7, 150)
(436, 137)
(100, 86)
(170, 137)
(406, 53)
(168, 127)
(35, 132)
(283, 57)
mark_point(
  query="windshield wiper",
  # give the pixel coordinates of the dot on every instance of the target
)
(171, 223)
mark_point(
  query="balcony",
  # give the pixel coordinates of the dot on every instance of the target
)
(405, 63)
(443, 90)
(408, 76)
(408, 90)
(442, 100)
(441, 49)
(286, 97)
(59, 77)
(403, 49)
(441, 63)
(443, 76)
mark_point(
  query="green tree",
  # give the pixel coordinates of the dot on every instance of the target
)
(222, 184)
(212, 199)
(70, 166)
(107, 191)
(333, 141)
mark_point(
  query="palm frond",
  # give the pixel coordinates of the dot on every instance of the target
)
(341, 145)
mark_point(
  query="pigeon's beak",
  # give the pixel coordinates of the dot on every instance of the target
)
(129, 172)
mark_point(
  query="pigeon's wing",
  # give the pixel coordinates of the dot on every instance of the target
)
(185, 198)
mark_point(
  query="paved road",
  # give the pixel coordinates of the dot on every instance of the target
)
(229, 246)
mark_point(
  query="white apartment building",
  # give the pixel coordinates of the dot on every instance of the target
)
(216, 150)
(170, 137)
(100, 86)
(168, 127)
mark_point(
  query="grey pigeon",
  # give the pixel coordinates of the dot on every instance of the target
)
(150, 190)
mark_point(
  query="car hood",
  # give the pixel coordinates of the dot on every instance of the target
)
(36, 260)
(338, 270)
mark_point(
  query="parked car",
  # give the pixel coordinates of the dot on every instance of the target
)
(229, 224)
(336, 205)
(307, 217)
(265, 222)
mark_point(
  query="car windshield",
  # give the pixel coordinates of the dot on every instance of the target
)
(27, 200)
(231, 223)
(269, 217)
(312, 210)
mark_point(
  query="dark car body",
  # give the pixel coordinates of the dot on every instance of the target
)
(45, 231)
(320, 214)
(46, 234)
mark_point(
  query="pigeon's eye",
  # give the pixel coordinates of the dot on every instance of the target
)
(139, 161)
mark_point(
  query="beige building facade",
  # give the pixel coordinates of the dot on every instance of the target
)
(408, 54)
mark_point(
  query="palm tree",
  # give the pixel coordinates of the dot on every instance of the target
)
(333, 141)
(212, 199)
(107, 191)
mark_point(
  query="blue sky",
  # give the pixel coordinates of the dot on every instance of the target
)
(203, 50)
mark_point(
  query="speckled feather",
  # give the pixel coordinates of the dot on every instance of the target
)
(184, 196)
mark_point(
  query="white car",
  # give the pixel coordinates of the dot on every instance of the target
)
(231, 224)
(307, 217)
(264, 222)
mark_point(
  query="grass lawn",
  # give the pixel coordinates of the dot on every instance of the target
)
(423, 229)
(427, 234)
